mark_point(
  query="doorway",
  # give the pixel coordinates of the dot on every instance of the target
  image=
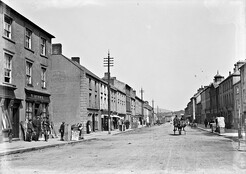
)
(15, 124)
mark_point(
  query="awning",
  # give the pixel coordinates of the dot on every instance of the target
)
(112, 116)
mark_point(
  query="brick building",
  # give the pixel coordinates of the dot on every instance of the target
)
(24, 71)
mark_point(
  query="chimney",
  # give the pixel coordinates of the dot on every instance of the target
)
(106, 75)
(57, 48)
(229, 73)
(76, 59)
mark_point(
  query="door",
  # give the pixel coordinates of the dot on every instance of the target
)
(15, 122)
(93, 122)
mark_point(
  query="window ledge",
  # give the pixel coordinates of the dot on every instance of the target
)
(9, 85)
(44, 56)
(29, 85)
(29, 49)
(9, 39)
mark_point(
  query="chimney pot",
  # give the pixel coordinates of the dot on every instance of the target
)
(76, 59)
(57, 48)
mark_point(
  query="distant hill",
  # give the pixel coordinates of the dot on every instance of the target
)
(160, 110)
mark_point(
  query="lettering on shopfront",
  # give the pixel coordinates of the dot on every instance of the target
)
(37, 97)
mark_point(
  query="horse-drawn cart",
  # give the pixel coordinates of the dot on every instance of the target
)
(179, 125)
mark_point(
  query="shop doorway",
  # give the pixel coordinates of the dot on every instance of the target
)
(36, 110)
(93, 122)
(15, 123)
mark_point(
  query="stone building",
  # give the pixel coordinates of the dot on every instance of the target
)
(24, 71)
(226, 95)
(75, 91)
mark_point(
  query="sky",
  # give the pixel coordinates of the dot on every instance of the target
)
(169, 48)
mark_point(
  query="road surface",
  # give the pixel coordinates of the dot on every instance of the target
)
(146, 150)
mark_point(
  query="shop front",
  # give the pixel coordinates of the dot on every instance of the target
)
(9, 112)
(36, 107)
(92, 121)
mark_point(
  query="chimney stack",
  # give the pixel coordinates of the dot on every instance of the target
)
(57, 49)
(76, 59)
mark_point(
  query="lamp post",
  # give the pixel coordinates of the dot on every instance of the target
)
(108, 62)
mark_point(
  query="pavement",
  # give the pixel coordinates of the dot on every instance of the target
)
(228, 133)
(19, 146)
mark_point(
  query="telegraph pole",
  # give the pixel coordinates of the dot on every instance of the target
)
(108, 62)
(153, 113)
(142, 91)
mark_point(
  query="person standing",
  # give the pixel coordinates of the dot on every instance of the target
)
(29, 131)
(46, 127)
(39, 127)
(206, 122)
(35, 127)
(61, 130)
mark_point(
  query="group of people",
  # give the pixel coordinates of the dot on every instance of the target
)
(37, 127)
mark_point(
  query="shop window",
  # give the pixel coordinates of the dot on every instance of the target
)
(7, 26)
(43, 46)
(44, 110)
(29, 73)
(43, 77)
(28, 39)
(29, 110)
(7, 68)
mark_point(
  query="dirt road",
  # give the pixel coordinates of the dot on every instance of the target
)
(145, 150)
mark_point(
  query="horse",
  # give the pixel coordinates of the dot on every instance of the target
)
(179, 125)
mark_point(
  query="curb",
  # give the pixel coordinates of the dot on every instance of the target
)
(22, 150)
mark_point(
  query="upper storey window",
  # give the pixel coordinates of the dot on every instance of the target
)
(43, 46)
(28, 41)
(7, 68)
(7, 26)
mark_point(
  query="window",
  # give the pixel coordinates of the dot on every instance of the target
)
(29, 110)
(89, 100)
(43, 46)
(43, 77)
(89, 83)
(7, 68)
(7, 26)
(28, 73)
(28, 40)
(95, 86)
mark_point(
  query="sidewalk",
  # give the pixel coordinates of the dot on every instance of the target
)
(20, 146)
(229, 133)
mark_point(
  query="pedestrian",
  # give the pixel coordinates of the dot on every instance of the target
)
(206, 122)
(46, 127)
(30, 130)
(39, 127)
(35, 128)
(62, 130)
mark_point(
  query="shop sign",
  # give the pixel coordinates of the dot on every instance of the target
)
(36, 97)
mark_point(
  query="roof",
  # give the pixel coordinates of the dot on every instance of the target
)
(82, 68)
(35, 25)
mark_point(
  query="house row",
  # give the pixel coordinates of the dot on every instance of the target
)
(36, 79)
(224, 97)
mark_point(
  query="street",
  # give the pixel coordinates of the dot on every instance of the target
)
(145, 150)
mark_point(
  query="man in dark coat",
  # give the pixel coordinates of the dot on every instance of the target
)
(46, 128)
(61, 130)
(30, 130)
(35, 127)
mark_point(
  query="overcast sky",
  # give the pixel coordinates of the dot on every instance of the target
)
(167, 47)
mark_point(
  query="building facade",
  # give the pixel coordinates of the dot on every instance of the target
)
(76, 92)
(25, 50)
